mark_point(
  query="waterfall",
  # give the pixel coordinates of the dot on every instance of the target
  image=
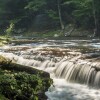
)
(84, 72)
(70, 69)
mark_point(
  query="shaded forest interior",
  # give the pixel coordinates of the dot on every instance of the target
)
(20, 16)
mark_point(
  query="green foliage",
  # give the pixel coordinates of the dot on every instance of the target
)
(21, 85)
(9, 30)
(35, 5)
(23, 13)
(52, 14)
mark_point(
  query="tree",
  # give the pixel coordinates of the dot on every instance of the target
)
(60, 15)
(22, 13)
(96, 13)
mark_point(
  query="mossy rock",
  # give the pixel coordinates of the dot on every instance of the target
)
(21, 85)
(4, 61)
(7, 64)
(19, 82)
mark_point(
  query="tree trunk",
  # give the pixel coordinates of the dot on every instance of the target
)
(60, 16)
(96, 21)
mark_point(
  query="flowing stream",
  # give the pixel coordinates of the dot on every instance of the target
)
(75, 75)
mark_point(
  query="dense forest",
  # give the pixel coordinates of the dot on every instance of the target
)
(19, 16)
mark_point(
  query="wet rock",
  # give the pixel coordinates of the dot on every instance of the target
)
(92, 55)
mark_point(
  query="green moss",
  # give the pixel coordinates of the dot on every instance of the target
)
(4, 40)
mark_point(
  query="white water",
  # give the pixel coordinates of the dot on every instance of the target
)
(61, 89)
(71, 91)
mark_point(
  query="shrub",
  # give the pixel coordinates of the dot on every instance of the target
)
(22, 86)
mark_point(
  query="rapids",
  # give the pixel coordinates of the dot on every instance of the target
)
(74, 66)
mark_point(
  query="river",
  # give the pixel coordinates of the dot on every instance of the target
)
(54, 57)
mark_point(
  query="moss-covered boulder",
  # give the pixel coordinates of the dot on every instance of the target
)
(18, 82)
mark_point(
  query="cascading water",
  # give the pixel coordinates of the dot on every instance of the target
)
(80, 72)
(70, 68)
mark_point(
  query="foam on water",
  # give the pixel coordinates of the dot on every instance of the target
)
(61, 90)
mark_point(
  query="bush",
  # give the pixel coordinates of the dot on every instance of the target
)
(22, 86)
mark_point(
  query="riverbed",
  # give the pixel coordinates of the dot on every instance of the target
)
(47, 55)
